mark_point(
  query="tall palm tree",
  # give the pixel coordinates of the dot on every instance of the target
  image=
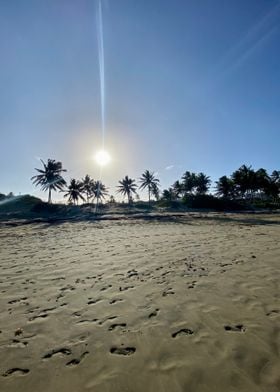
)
(275, 176)
(189, 182)
(99, 191)
(127, 187)
(50, 178)
(202, 183)
(244, 180)
(88, 185)
(225, 187)
(178, 189)
(274, 185)
(74, 191)
(147, 180)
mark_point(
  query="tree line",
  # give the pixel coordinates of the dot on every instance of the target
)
(244, 183)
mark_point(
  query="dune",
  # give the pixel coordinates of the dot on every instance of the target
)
(186, 303)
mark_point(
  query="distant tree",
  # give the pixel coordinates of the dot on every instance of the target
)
(127, 187)
(148, 180)
(188, 182)
(178, 189)
(261, 182)
(74, 191)
(168, 195)
(112, 200)
(273, 189)
(225, 187)
(245, 181)
(88, 187)
(202, 183)
(155, 191)
(275, 177)
(50, 178)
(99, 191)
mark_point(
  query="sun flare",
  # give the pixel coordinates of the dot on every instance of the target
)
(102, 158)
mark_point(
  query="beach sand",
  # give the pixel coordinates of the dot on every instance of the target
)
(186, 304)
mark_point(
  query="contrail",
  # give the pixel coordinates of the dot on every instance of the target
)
(99, 20)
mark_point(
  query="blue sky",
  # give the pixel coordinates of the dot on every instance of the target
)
(189, 85)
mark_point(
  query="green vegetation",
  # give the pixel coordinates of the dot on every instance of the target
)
(244, 189)
(50, 178)
(149, 181)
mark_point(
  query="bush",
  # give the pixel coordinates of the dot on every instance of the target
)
(45, 208)
(213, 203)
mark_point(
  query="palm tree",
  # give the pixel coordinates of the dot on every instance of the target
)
(127, 187)
(189, 182)
(88, 185)
(202, 183)
(168, 194)
(178, 189)
(147, 180)
(74, 191)
(275, 176)
(261, 182)
(50, 177)
(155, 191)
(225, 187)
(274, 184)
(244, 179)
(99, 191)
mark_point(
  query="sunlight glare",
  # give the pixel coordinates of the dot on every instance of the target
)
(102, 158)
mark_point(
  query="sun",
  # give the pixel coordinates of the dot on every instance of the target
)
(102, 158)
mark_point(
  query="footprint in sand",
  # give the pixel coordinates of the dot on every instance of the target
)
(273, 312)
(9, 372)
(192, 285)
(117, 326)
(113, 301)
(154, 314)
(168, 292)
(39, 316)
(93, 301)
(63, 351)
(126, 288)
(18, 343)
(183, 331)
(77, 361)
(123, 350)
(235, 328)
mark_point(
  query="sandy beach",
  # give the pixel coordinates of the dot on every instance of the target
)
(186, 304)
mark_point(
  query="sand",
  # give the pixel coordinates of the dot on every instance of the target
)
(186, 304)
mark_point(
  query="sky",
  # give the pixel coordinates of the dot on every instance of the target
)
(188, 85)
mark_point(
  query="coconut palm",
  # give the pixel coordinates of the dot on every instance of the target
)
(127, 187)
(74, 191)
(244, 179)
(225, 187)
(275, 176)
(189, 182)
(168, 194)
(50, 178)
(155, 191)
(202, 183)
(99, 191)
(88, 185)
(274, 185)
(178, 189)
(147, 180)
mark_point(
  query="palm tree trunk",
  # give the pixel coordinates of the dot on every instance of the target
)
(149, 197)
(50, 196)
